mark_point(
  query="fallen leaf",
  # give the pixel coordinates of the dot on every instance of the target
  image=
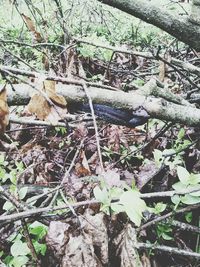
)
(40, 106)
(31, 26)
(50, 89)
(4, 111)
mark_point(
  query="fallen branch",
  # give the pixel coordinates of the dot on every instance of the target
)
(156, 107)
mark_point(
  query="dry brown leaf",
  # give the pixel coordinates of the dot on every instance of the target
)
(126, 244)
(31, 26)
(90, 248)
(38, 105)
(82, 169)
(50, 89)
(146, 173)
(4, 110)
(44, 111)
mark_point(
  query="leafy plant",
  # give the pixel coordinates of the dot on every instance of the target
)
(8, 172)
(187, 182)
(38, 230)
(158, 208)
(129, 202)
(20, 254)
(164, 231)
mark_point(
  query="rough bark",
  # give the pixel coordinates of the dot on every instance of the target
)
(156, 107)
(177, 26)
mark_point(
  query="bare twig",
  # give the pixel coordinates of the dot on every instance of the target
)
(170, 250)
(164, 217)
(95, 124)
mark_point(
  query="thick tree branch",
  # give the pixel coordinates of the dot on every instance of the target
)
(177, 26)
(156, 107)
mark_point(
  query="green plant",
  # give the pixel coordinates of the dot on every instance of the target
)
(128, 201)
(172, 157)
(20, 254)
(9, 172)
(164, 231)
(187, 182)
(61, 130)
(158, 208)
(38, 230)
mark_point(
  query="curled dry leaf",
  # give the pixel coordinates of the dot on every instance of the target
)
(31, 26)
(44, 111)
(50, 89)
(4, 111)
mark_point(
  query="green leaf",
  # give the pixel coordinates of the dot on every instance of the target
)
(194, 179)
(183, 175)
(166, 236)
(181, 133)
(176, 200)
(101, 195)
(23, 192)
(196, 193)
(116, 192)
(190, 200)
(134, 206)
(8, 206)
(19, 249)
(160, 207)
(32, 200)
(40, 231)
(188, 217)
(179, 187)
(117, 208)
(40, 248)
(19, 261)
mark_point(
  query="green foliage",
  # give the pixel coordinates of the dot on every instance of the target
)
(20, 254)
(172, 157)
(168, 157)
(19, 248)
(188, 217)
(187, 182)
(158, 208)
(8, 172)
(38, 230)
(129, 202)
(89, 51)
(124, 153)
(18, 261)
(61, 130)
(164, 231)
